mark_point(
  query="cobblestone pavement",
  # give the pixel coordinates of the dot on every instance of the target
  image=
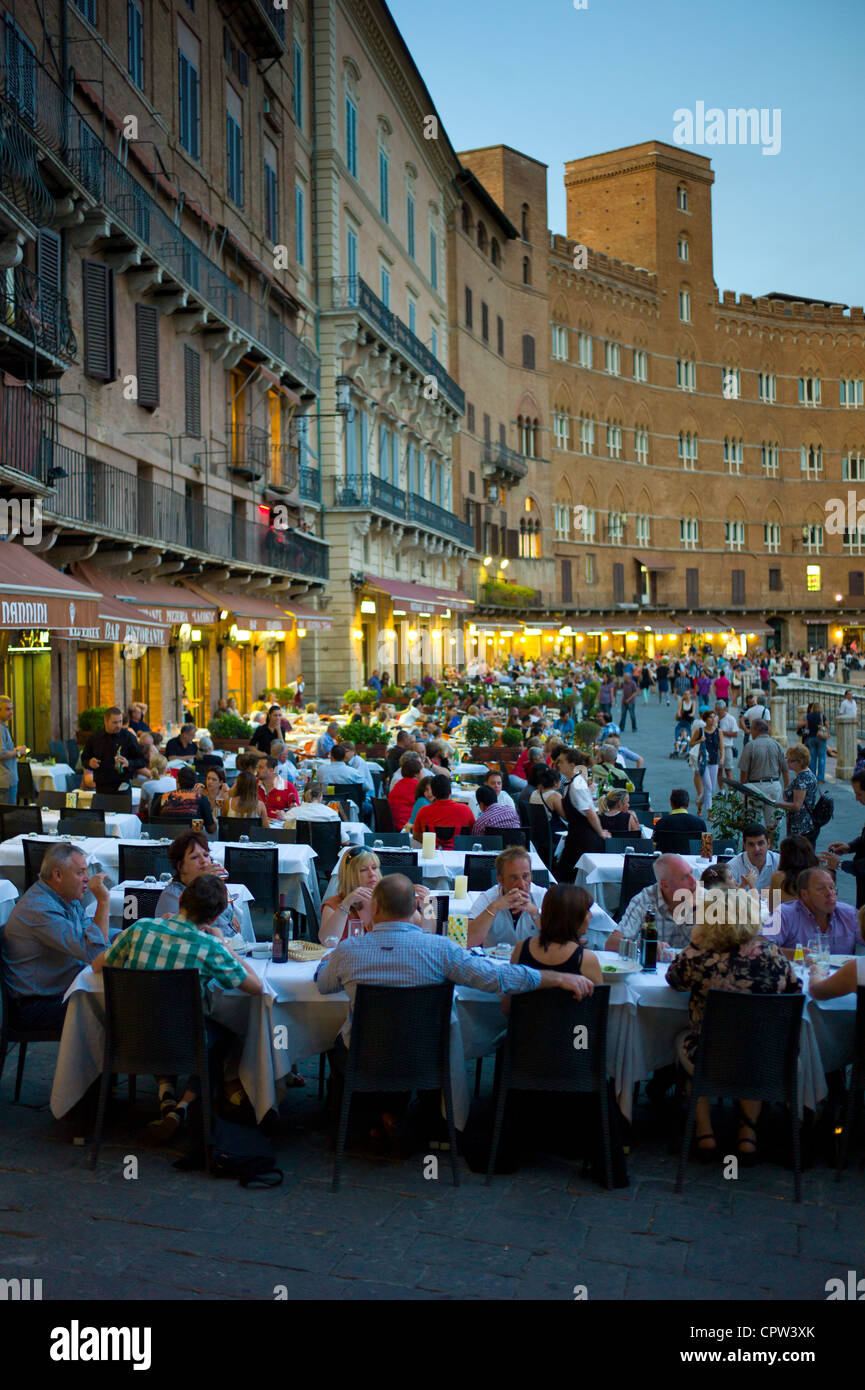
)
(391, 1233)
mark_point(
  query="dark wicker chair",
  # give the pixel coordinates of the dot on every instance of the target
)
(91, 826)
(139, 903)
(232, 827)
(541, 877)
(514, 836)
(672, 842)
(382, 815)
(73, 753)
(397, 858)
(350, 798)
(749, 1050)
(468, 842)
(154, 1026)
(617, 844)
(51, 801)
(325, 837)
(445, 835)
(413, 872)
(637, 799)
(20, 820)
(57, 750)
(636, 775)
(638, 873)
(720, 845)
(853, 1107)
(645, 815)
(26, 784)
(112, 801)
(539, 1055)
(136, 861)
(393, 839)
(400, 1041)
(542, 837)
(480, 870)
(11, 1033)
(34, 853)
(279, 835)
(258, 868)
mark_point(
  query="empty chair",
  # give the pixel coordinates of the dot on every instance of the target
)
(57, 749)
(154, 1025)
(413, 872)
(258, 869)
(232, 827)
(541, 834)
(12, 1032)
(280, 835)
(139, 903)
(514, 836)
(382, 815)
(748, 1050)
(394, 838)
(93, 827)
(136, 861)
(672, 842)
(636, 799)
(350, 798)
(724, 845)
(407, 858)
(617, 844)
(325, 837)
(541, 877)
(51, 800)
(26, 785)
(638, 873)
(853, 1106)
(480, 870)
(465, 842)
(34, 853)
(112, 801)
(73, 753)
(400, 1041)
(636, 775)
(644, 814)
(169, 827)
(20, 820)
(539, 1054)
(523, 813)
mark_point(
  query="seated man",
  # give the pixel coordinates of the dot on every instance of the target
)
(335, 772)
(609, 770)
(325, 741)
(183, 745)
(492, 815)
(442, 811)
(754, 867)
(494, 780)
(286, 771)
(206, 757)
(679, 820)
(624, 755)
(354, 760)
(49, 937)
(509, 911)
(187, 941)
(672, 898)
(277, 800)
(815, 914)
(185, 800)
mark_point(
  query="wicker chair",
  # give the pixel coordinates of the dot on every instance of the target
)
(10, 1032)
(853, 1108)
(258, 868)
(112, 801)
(20, 820)
(480, 870)
(137, 861)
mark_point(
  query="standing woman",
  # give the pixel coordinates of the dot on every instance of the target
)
(585, 835)
(803, 792)
(268, 732)
(709, 741)
(645, 682)
(816, 732)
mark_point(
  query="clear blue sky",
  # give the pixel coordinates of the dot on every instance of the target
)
(559, 83)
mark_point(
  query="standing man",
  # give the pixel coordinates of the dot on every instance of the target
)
(9, 754)
(629, 700)
(763, 767)
(374, 683)
(730, 731)
(113, 756)
(663, 681)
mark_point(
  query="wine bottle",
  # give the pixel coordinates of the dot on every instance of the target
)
(650, 943)
(281, 928)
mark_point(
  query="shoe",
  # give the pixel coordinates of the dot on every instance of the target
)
(706, 1155)
(164, 1130)
(748, 1158)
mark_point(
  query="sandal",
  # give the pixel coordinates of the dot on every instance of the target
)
(706, 1155)
(747, 1157)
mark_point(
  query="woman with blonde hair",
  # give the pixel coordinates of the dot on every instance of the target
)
(347, 911)
(726, 952)
(244, 801)
(615, 814)
(803, 794)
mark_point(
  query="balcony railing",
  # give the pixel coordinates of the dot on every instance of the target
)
(110, 500)
(37, 313)
(504, 460)
(270, 42)
(352, 292)
(367, 490)
(310, 484)
(20, 180)
(27, 429)
(43, 110)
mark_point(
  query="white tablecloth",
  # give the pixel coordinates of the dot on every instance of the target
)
(12, 855)
(353, 832)
(121, 823)
(597, 871)
(8, 897)
(51, 776)
(439, 871)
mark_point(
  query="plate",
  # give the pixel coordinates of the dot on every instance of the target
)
(627, 967)
(840, 960)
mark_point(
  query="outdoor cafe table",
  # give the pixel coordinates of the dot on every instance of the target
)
(597, 871)
(95, 850)
(121, 823)
(438, 872)
(296, 868)
(48, 776)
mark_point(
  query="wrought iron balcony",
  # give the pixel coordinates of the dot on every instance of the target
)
(27, 429)
(68, 144)
(265, 25)
(21, 184)
(368, 491)
(437, 519)
(352, 292)
(501, 462)
(34, 318)
(310, 484)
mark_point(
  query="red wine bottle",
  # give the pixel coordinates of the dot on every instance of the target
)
(281, 930)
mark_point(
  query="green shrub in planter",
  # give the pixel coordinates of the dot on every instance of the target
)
(589, 697)
(480, 733)
(586, 731)
(365, 735)
(351, 697)
(93, 719)
(429, 697)
(512, 737)
(229, 726)
(367, 697)
(391, 693)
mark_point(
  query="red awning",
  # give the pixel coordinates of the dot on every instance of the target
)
(33, 594)
(311, 619)
(123, 622)
(651, 560)
(259, 614)
(163, 603)
(420, 598)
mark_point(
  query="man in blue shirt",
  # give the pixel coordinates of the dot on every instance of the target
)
(374, 683)
(9, 754)
(326, 741)
(49, 937)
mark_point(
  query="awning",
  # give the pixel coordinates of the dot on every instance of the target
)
(310, 619)
(652, 560)
(122, 622)
(163, 603)
(258, 614)
(33, 594)
(743, 628)
(703, 624)
(420, 598)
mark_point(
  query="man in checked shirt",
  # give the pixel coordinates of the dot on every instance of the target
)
(398, 952)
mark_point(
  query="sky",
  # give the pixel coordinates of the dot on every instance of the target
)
(559, 83)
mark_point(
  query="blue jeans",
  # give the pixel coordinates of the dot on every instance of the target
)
(631, 710)
(817, 749)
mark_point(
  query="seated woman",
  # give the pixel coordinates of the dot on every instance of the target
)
(423, 797)
(186, 800)
(189, 856)
(158, 781)
(796, 854)
(615, 814)
(564, 922)
(437, 755)
(547, 793)
(727, 955)
(312, 807)
(216, 789)
(244, 801)
(347, 911)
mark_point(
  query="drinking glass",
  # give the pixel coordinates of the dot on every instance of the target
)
(331, 942)
(355, 930)
(625, 949)
(151, 878)
(477, 848)
(244, 839)
(823, 951)
(634, 951)
(165, 878)
(812, 950)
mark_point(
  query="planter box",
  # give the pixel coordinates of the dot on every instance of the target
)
(230, 745)
(497, 754)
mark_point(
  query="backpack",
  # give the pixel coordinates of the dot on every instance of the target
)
(236, 1152)
(823, 810)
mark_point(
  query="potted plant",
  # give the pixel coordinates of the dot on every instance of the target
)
(589, 698)
(586, 732)
(729, 814)
(351, 697)
(429, 698)
(229, 732)
(512, 736)
(90, 721)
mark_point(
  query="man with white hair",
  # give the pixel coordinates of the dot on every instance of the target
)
(763, 768)
(206, 757)
(670, 898)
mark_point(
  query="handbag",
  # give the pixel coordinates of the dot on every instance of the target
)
(823, 810)
(822, 732)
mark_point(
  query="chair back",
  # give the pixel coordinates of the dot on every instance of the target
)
(672, 842)
(112, 801)
(136, 861)
(154, 1022)
(413, 872)
(617, 844)
(26, 785)
(465, 842)
(325, 837)
(73, 752)
(514, 836)
(139, 903)
(480, 870)
(541, 877)
(397, 858)
(523, 813)
(169, 827)
(280, 835)
(349, 797)
(400, 1038)
(644, 814)
(542, 837)
(51, 800)
(9, 1031)
(749, 1046)
(725, 845)
(506, 778)
(636, 775)
(232, 827)
(636, 798)
(395, 838)
(382, 815)
(541, 1052)
(258, 869)
(57, 749)
(91, 826)
(34, 853)
(638, 873)
(445, 835)
(20, 820)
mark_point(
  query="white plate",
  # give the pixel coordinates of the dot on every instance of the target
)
(621, 969)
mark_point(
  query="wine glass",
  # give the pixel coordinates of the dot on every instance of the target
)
(331, 941)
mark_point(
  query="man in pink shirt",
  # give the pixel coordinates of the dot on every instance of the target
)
(722, 688)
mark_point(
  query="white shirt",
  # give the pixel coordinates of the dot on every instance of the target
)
(741, 865)
(757, 711)
(579, 795)
(847, 707)
(409, 717)
(310, 810)
(502, 930)
(728, 726)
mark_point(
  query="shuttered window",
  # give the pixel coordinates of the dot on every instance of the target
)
(135, 42)
(528, 351)
(147, 354)
(513, 544)
(618, 583)
(192, 390)
(500, 336)
(738, 587)
(99, 334)
(189, 59)
(857, 582)
(692, 587)
(567, 584)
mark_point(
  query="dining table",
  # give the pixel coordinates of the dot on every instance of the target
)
(51, 776)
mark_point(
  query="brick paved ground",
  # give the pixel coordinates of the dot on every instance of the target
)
(391, 1234)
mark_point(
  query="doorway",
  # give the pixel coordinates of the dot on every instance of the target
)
(31, 693)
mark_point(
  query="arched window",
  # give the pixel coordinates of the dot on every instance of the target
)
(525, 222)
(530, 531)
(682, 198)
(527, 271)
(495, 252)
